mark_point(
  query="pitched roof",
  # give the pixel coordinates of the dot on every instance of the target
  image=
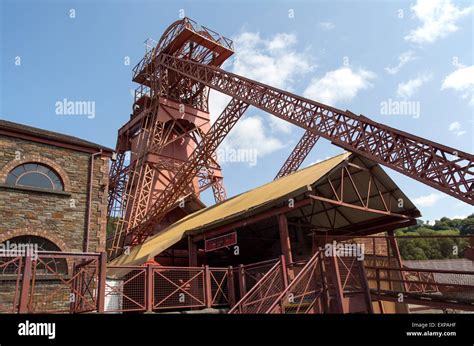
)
(231, 208)
(12, 129)
(259, 200)
(250, 203)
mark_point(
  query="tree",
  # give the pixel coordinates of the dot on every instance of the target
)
(467, 225)
(111, 224)
(428, 246)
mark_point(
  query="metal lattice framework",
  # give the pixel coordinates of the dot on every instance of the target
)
(167, 199)
(167, 114)
(182, 67)
(299, 153)
(444, 168)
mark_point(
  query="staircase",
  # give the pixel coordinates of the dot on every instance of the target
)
(326, 284)
(307, 293)
(262, 295)
(347, 285)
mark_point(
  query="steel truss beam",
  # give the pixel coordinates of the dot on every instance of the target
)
(298, 155)
(196, 161)
(337, 196)
(444, 168)
(132, 186)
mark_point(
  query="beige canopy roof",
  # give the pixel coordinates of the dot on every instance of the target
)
(245, 204)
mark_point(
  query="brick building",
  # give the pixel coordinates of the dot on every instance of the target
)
(53, 189)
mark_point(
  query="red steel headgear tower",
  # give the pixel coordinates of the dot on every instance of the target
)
(170, 117)
(172, 144)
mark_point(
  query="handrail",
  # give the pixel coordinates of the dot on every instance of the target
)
(353, 236)
(295, 280)
(258, 264)
(405, 269)
(420, 281)
(237, 306)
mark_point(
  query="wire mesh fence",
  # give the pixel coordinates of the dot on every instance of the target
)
(51, 282)
(305, 293)
(61, 282)
(178, 288)
(260, 297)
(125, 292)
(167, 288)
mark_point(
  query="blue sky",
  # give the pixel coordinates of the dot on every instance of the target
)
(355, 55)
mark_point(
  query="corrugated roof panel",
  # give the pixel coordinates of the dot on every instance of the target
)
(239, 204)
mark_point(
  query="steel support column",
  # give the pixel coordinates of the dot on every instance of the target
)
(102, 282)
(339, 306)
(396, 250)
(285, 238)
(192, 253)
(25, 286)
(298, 155)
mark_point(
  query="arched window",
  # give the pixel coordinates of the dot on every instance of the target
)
(28, 245)
(35, 175)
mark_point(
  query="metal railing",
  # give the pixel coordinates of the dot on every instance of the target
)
(262, 295)
(322, 284)
(52, 282)
(423, 280)
(126, 292)
(168, 288)
(249, 274)
(216, 37)
(381, 245)
(306, 293)
(11, 269)
(154, 48)
(62, 282)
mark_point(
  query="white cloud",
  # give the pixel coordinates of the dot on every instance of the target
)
(456, 128)
(326, 26)
(217, 103)
(461, 80)
(250, 133)
(280, 41)
(274, 61)
(342, 84)
(428, 200)
(438, 19)
(408, 89)
(403, 59)
(318, 161)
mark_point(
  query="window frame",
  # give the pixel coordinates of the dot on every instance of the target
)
(58, 182)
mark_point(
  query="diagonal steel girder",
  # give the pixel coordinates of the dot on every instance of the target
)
(196, 161)
(298, 155)
(444, 168)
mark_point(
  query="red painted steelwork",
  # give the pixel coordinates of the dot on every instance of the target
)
(298, 155)
(444, 168)
(162, 133)
(53, 282)
(176, 76)
(167, 199)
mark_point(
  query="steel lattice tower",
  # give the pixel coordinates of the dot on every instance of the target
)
(172, 144)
